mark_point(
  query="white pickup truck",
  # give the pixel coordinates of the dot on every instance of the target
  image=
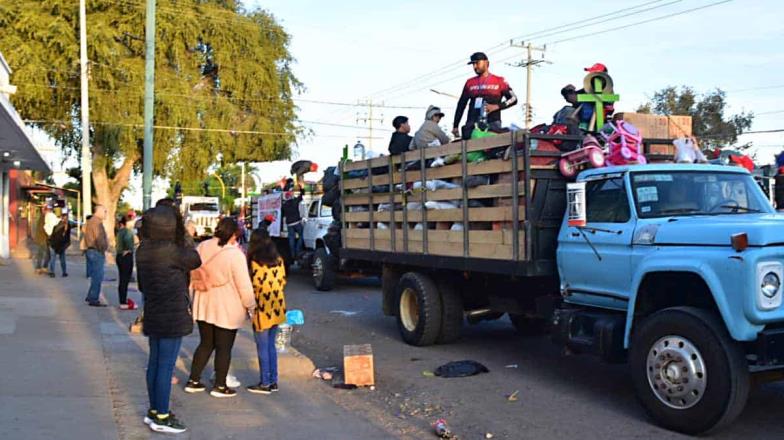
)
(204, 211)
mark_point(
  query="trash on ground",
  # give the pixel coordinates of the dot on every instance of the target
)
(489, 435)
(461, 369)
(441, 430)
(513, 397)
(416, 359)
(324, 373)
(344, 312)
(295, 317)
(428, 373)
(511, 366)
(358, 365)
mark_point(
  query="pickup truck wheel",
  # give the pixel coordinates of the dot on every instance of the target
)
(528, 326)
(419, 309)
(689, 374)
(451, 314)
(324, 270)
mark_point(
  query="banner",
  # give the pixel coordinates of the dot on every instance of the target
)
(270, 205)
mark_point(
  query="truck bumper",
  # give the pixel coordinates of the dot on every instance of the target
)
(769, 348)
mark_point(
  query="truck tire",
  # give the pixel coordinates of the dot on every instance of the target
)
(528, 326)
(418, 309)
(324, 270)
(451, 314)
(689, 374)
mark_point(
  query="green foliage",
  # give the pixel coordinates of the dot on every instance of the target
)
(243, 83)
(711, 126)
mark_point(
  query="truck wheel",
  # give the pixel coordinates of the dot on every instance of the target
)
(419, 309)
(689, 374)
(528, 326)
(324, 270)
(451, 314)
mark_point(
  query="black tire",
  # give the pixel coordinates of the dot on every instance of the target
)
(418, 309)
(452, 315)
(324, 270)
(528, 326)
(725, 379)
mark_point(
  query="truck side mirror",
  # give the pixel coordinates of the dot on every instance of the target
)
(576, 204)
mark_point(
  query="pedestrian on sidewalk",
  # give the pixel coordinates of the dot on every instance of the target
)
(124, 259)
(96, 244)
(50, 221)
(59, 242)
(269, 281)
(41, 246)
(223, 296)
(163, 264)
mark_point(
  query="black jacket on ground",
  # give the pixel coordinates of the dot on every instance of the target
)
(399, 143)
(163, 270)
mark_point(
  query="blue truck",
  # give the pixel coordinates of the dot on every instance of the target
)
(674, 269)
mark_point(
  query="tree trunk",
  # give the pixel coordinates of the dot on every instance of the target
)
(108, 191)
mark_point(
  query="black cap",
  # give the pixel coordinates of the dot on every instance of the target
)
(398, 121)
(477, 56)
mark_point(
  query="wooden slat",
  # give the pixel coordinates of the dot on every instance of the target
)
(496, 251)
(497, 214)
(377, 162)
(480, 192)
(362, 182)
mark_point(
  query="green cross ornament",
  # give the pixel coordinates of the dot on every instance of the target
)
(598, 100)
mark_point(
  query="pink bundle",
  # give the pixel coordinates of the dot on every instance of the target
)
(624, 143)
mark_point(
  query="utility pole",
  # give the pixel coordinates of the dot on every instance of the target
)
(149, 103)
(368, 119)
(87, 157)
(529, 63)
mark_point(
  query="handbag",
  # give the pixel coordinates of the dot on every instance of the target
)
(137, 326)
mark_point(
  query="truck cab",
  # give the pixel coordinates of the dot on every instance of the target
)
(678, 268)
(316, 223)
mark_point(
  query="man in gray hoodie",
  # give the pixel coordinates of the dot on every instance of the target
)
(430, 131)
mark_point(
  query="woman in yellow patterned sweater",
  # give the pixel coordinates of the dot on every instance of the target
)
(268, 275)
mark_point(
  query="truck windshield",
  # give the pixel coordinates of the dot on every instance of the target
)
(681, 193)
(203, 207)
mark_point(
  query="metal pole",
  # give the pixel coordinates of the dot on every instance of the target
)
(242, 208)
(87, 157)
(149, 102)
(528, 67)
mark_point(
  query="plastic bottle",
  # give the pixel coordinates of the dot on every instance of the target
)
(442, 431)
(283, 338)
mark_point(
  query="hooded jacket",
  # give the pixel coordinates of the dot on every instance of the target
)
(429, 131)
(162, 273)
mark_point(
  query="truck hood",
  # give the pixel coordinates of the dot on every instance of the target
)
(762, 230)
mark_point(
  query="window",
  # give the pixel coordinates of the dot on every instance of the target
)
(326, 211)
(313, 210)
(607, 201)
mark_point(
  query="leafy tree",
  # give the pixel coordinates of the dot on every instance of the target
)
(710, 124)
(218, 66)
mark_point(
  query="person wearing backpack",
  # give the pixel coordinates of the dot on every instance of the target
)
(268, 274)
(59, 242)
(222, 297)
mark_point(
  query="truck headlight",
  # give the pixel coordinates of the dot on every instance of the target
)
(769, 277)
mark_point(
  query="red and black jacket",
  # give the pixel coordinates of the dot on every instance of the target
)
(492, 89)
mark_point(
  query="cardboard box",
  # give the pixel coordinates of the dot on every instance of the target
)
(650, 126)
(358, 365)
(679, 126)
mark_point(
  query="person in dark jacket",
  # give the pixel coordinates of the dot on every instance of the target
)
(163, 264)
(294, 227)
(59, 242)
(401, 139)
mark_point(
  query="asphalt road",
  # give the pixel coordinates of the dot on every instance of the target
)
(559, 396)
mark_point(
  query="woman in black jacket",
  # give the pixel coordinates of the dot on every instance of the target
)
(163, 264)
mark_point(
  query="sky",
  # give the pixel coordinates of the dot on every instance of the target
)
(394, 53)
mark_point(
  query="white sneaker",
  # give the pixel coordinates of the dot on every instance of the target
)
(231, 380)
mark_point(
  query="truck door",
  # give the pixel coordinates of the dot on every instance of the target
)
(594, 261)
(310, 230)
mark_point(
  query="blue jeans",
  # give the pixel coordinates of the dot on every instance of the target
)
(268, 356)
(54, 255)
(160, 367)
(41, 256)
(296, 242)
(95, 262)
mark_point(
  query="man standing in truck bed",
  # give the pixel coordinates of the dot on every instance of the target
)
(488, 95)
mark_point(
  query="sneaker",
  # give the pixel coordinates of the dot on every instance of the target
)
(170, 424)
(260, 389)
(51, 274)
(231, 380)
(148, 418)
(222, 392)
(194, 386)
(96, 304)
(65, 275)
(274, 388)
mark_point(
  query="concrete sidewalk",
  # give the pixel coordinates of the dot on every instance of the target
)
(73, 371)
